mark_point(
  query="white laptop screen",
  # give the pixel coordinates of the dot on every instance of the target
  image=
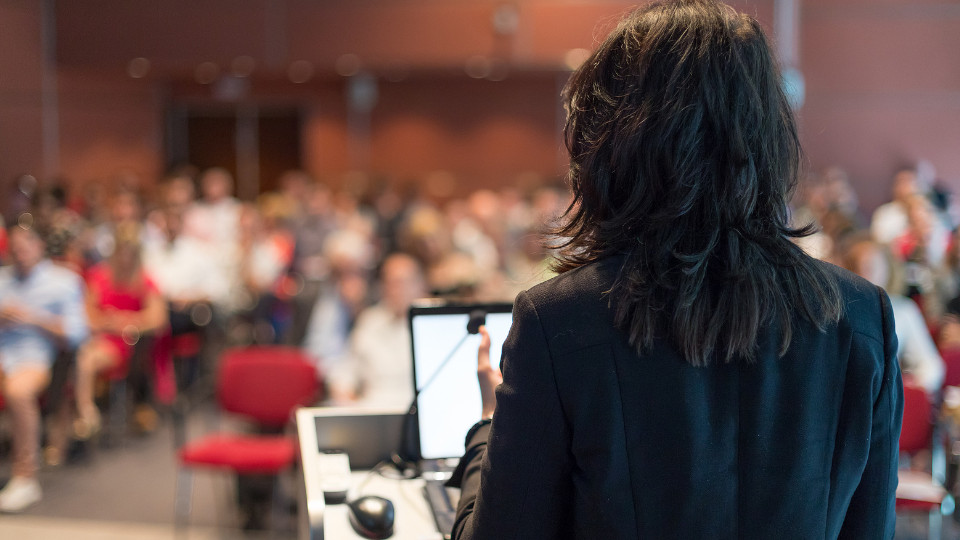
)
(450, 402)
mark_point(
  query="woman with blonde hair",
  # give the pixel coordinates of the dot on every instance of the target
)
(123, 305)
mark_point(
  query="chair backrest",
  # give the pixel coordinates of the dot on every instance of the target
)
(951, 361)
(917, 431)
(266, 383)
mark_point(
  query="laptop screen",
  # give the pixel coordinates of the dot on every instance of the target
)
(367, 435)
(449, 400)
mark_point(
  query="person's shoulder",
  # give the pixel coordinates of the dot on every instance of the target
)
(574, 309)
(59, 276)
(585, 284)
(377, 315)
(98, 274)
(886, 207)
(862, 301)
(851, 285)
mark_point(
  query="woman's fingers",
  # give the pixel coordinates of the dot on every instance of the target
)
(483, 353)
(488, 376)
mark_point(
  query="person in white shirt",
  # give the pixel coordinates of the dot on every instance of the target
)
(215, 222)
(889, 220)
(180, 266)
(918, 355)
(378, 369)
(188, 279)
(214, 218)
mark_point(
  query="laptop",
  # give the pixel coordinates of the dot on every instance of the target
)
(369, 436)
(447, 400)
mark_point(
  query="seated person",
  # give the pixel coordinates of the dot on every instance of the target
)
(265, 253)
(123, 304)
(186, 277)
(180, 267)
(915, 348)
(339, 299)
(41, 311)
(378, 369)
(921, 250)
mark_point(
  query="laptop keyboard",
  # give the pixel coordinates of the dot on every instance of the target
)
(440, 504)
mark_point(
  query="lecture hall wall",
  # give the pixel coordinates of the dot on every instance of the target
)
(882, 84)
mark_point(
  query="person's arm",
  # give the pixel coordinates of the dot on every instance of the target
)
(153, 315)
(346, 370)
(18, 315)
(919, 355)
(516, 482)
(871, 513)
(76, 328)
(99, 319)
(68, 325)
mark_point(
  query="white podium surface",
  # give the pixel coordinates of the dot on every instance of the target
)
(320, 521)
(413, 519)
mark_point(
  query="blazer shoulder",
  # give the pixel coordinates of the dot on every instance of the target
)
(583, 285)
(574, 308)
(864, 304)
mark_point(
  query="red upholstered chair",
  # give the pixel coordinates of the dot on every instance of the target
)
(265, 385)
(919, 490)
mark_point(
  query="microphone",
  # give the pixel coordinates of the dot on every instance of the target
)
(478, 318)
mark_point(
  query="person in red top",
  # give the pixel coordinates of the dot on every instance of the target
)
(122, 304)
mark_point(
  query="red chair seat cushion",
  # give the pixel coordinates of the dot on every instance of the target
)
(243, 454)
(918, 491)
(918, 506)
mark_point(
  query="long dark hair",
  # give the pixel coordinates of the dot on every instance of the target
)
(683, 155)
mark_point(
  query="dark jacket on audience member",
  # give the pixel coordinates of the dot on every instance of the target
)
(592, 440)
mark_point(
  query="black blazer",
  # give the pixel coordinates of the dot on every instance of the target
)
(590, 440)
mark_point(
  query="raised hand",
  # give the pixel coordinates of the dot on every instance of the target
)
(488, 376)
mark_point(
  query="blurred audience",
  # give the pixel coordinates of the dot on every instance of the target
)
(180, 267)
(378, 369)
(342, 295)
(918, 355)
(123, 306)
(297, 267)
(186, 277)
(41, 313)
(890, 219)
(309, 268)
(214, 220)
